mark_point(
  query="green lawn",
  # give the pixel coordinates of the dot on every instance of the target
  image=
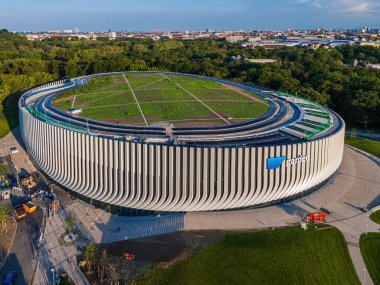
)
(284, 256)
(4, 127)
(375, 216)
(176, 111)
(120, 114)
(162, 98)
(239, 109)
(370, 146)
(370, 248)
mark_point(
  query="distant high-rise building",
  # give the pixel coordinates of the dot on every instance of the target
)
(76, 31)
(365, 30)
(112, 35)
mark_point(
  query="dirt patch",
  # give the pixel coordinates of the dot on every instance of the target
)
(69, 98)
(7, 238)
(242, 92)
(167, 248)
(136, 120)
(201, 123)
(152, 252)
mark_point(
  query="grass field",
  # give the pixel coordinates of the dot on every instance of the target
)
(370, 249)
(153, 98)
(370, 146)
(375, 217)
(283, 256)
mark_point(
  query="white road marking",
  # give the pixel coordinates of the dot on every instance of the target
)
(97, 99)
(243, 93)
(196, 98)
(138, 104)
(72, 104)
(144, 85)
(164, 101)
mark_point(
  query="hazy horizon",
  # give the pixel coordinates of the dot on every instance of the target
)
(192, 15)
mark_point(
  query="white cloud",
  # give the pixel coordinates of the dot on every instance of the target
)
(316, 4)
(313, 3)
(343, 6)
(355, 6)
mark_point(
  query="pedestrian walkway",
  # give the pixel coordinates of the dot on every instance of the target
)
(102, 227)
(54, 255)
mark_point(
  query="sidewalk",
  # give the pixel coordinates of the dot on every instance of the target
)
(52, 254)
(102, 227)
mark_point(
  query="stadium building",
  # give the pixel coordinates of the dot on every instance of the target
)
(289, 150)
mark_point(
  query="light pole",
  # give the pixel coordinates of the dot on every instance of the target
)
(53, 272)
(17, 178)
(364, 275)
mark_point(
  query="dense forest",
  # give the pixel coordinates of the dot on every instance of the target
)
(323, 75)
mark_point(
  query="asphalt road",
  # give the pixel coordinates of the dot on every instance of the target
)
(22, 256)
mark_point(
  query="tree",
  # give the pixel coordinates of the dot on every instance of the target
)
(69, 221)
(71, 69)
(4, 212)
(114, 275)
(3, 170)
(91, 255)
(103, 263)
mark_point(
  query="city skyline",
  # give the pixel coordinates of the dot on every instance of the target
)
(190, 15)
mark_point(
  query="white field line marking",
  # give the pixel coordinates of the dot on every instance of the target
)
(138, 105)
(178, 101)
(139, 87)
(197, 99)
(183, 120)
(72, 104)
(84, 94)
(97, 99)
(169, 101)
(163, 88)
(107, 106)
(245, 94)
(241, 118)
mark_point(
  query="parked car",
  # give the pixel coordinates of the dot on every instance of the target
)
(19, 212)
(10, 279)
(30, 207)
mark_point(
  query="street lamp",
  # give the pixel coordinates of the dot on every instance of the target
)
(53, 272)
(17, 178)
(364, 270)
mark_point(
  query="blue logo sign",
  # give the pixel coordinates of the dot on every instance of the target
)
(275, 162)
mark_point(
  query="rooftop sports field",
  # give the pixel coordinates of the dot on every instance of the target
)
(149, 98)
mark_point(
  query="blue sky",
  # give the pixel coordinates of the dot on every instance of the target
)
(170, 15)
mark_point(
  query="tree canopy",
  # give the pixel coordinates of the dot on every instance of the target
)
(323, 75)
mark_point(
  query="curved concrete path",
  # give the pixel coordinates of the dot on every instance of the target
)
(356, 185)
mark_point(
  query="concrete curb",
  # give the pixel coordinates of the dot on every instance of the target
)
(374, 158)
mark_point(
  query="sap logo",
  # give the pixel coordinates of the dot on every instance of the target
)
(296, 160)
(275, 162)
